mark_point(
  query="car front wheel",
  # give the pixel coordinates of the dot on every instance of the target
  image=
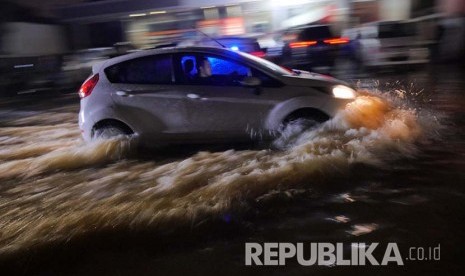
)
(296, 124)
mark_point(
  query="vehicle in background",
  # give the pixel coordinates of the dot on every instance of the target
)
(388, 43)
(202, 95)
(28, 74)
(243, 44)
(122, 48)
(78, 66)
(312, 47)
(272, 44)
(30, 63)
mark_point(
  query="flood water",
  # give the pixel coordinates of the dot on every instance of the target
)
(388, 168)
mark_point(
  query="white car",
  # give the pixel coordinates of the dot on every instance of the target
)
(202, 95)
(388, 43)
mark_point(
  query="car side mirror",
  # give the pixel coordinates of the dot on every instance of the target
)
(251, 82)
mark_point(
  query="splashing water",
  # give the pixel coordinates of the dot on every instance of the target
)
(55, 188)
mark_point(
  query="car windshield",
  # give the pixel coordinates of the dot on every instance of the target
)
(268, 64)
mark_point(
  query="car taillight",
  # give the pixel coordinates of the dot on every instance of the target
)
(302, 44)
(88, 86)
(340, 40)
(258, 54)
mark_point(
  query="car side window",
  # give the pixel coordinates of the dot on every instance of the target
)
(189, 69)
(144, 70)
(204, 69)
(224, 67)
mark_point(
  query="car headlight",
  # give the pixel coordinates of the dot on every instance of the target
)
(343, 92)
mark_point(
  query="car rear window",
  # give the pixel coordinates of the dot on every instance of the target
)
(315, 33)
(144, 70)
(389, 30)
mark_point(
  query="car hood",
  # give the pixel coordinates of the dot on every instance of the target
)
(304, 78)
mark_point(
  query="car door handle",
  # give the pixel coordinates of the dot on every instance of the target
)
(123, 93)
(196, 97)
(193, 96)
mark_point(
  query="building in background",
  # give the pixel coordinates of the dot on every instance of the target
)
(146, 23)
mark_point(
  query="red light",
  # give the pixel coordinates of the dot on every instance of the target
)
(302, 44)
(258, 54)
(333, 41)
(88, 86)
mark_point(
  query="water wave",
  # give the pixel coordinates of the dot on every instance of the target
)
(59, 188)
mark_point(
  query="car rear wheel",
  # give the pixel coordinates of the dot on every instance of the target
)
(108, 131)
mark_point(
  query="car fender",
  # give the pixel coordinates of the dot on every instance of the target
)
(283, 109)
(106, 113)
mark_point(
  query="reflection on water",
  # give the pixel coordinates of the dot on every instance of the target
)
(55, 188)
(362, 229)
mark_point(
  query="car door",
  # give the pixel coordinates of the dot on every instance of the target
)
(144, 93)
(218, 106)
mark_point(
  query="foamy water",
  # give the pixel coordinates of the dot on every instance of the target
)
(55, 187)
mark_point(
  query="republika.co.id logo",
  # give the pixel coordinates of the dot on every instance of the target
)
(330, 254)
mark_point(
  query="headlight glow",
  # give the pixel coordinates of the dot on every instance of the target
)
(343, 92)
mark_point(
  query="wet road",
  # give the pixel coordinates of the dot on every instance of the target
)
(390, 168)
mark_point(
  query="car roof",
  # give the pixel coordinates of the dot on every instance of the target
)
(310, 26)
(236, 38)
(95, 50)
(172, 50)
(167, 50)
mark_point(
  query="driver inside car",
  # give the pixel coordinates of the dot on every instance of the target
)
(205, 69)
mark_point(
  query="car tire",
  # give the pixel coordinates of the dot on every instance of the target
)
(296, 124)
(307, 119)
